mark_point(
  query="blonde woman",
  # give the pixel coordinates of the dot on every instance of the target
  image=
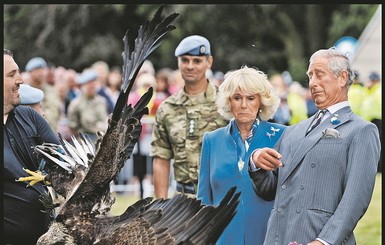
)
(248, 100)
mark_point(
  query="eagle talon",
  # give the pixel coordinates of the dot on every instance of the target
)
(34, 177)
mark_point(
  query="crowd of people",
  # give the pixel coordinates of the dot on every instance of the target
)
(62, 85)
(207, 131)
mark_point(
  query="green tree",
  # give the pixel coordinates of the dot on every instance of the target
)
(271, 37)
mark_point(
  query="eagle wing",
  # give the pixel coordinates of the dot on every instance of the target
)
(92, 169)
(124, 127)
(179, 220)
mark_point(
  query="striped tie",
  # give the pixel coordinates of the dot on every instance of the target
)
(316, 121)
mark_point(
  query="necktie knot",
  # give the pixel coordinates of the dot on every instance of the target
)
(321, 113)
(317, 120)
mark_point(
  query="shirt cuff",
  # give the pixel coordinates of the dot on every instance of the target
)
(319, 239)
(253, 168)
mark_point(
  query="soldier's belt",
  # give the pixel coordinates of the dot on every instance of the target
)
(185, 188)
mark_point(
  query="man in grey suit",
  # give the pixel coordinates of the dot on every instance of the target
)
(322, 180)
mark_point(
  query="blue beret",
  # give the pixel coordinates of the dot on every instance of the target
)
(87, 76)
(374, 76)
(30, 95)
(193, 45)
(34, 63)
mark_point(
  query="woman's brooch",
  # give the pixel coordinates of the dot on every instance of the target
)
(334, 120)
(241, 163)
(274, 130)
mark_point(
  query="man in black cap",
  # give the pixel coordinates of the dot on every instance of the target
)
(183, 118)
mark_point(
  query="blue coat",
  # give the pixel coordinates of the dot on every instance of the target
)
(219, 171)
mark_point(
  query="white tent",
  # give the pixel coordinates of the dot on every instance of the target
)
(367, 56)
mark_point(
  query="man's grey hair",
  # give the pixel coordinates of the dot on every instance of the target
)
(338, 61)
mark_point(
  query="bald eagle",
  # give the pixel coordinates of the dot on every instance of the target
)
(82, 172)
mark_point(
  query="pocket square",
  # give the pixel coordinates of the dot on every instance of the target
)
(330, 133)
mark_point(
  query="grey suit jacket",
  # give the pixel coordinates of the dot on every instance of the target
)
(326, 184)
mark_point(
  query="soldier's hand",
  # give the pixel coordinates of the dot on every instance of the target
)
(267, 159)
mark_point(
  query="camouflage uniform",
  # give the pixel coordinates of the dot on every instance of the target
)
(51, 106)
(88, 114)
(180, 122)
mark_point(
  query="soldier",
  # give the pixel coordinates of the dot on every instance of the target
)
(37, 69)
(87, 113)
(183, 118)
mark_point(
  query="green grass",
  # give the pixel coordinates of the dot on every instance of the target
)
(122, 202)
(367, 232)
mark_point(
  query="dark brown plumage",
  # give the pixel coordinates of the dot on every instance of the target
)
(82, 173)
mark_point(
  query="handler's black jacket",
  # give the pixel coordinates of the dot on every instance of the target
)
(23, 220)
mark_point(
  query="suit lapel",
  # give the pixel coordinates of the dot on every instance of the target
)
(308, 142)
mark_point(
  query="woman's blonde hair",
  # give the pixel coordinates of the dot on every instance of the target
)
(249, 81)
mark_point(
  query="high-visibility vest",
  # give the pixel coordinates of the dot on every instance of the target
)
(356, 96)
(371, 106)
(298, 109)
